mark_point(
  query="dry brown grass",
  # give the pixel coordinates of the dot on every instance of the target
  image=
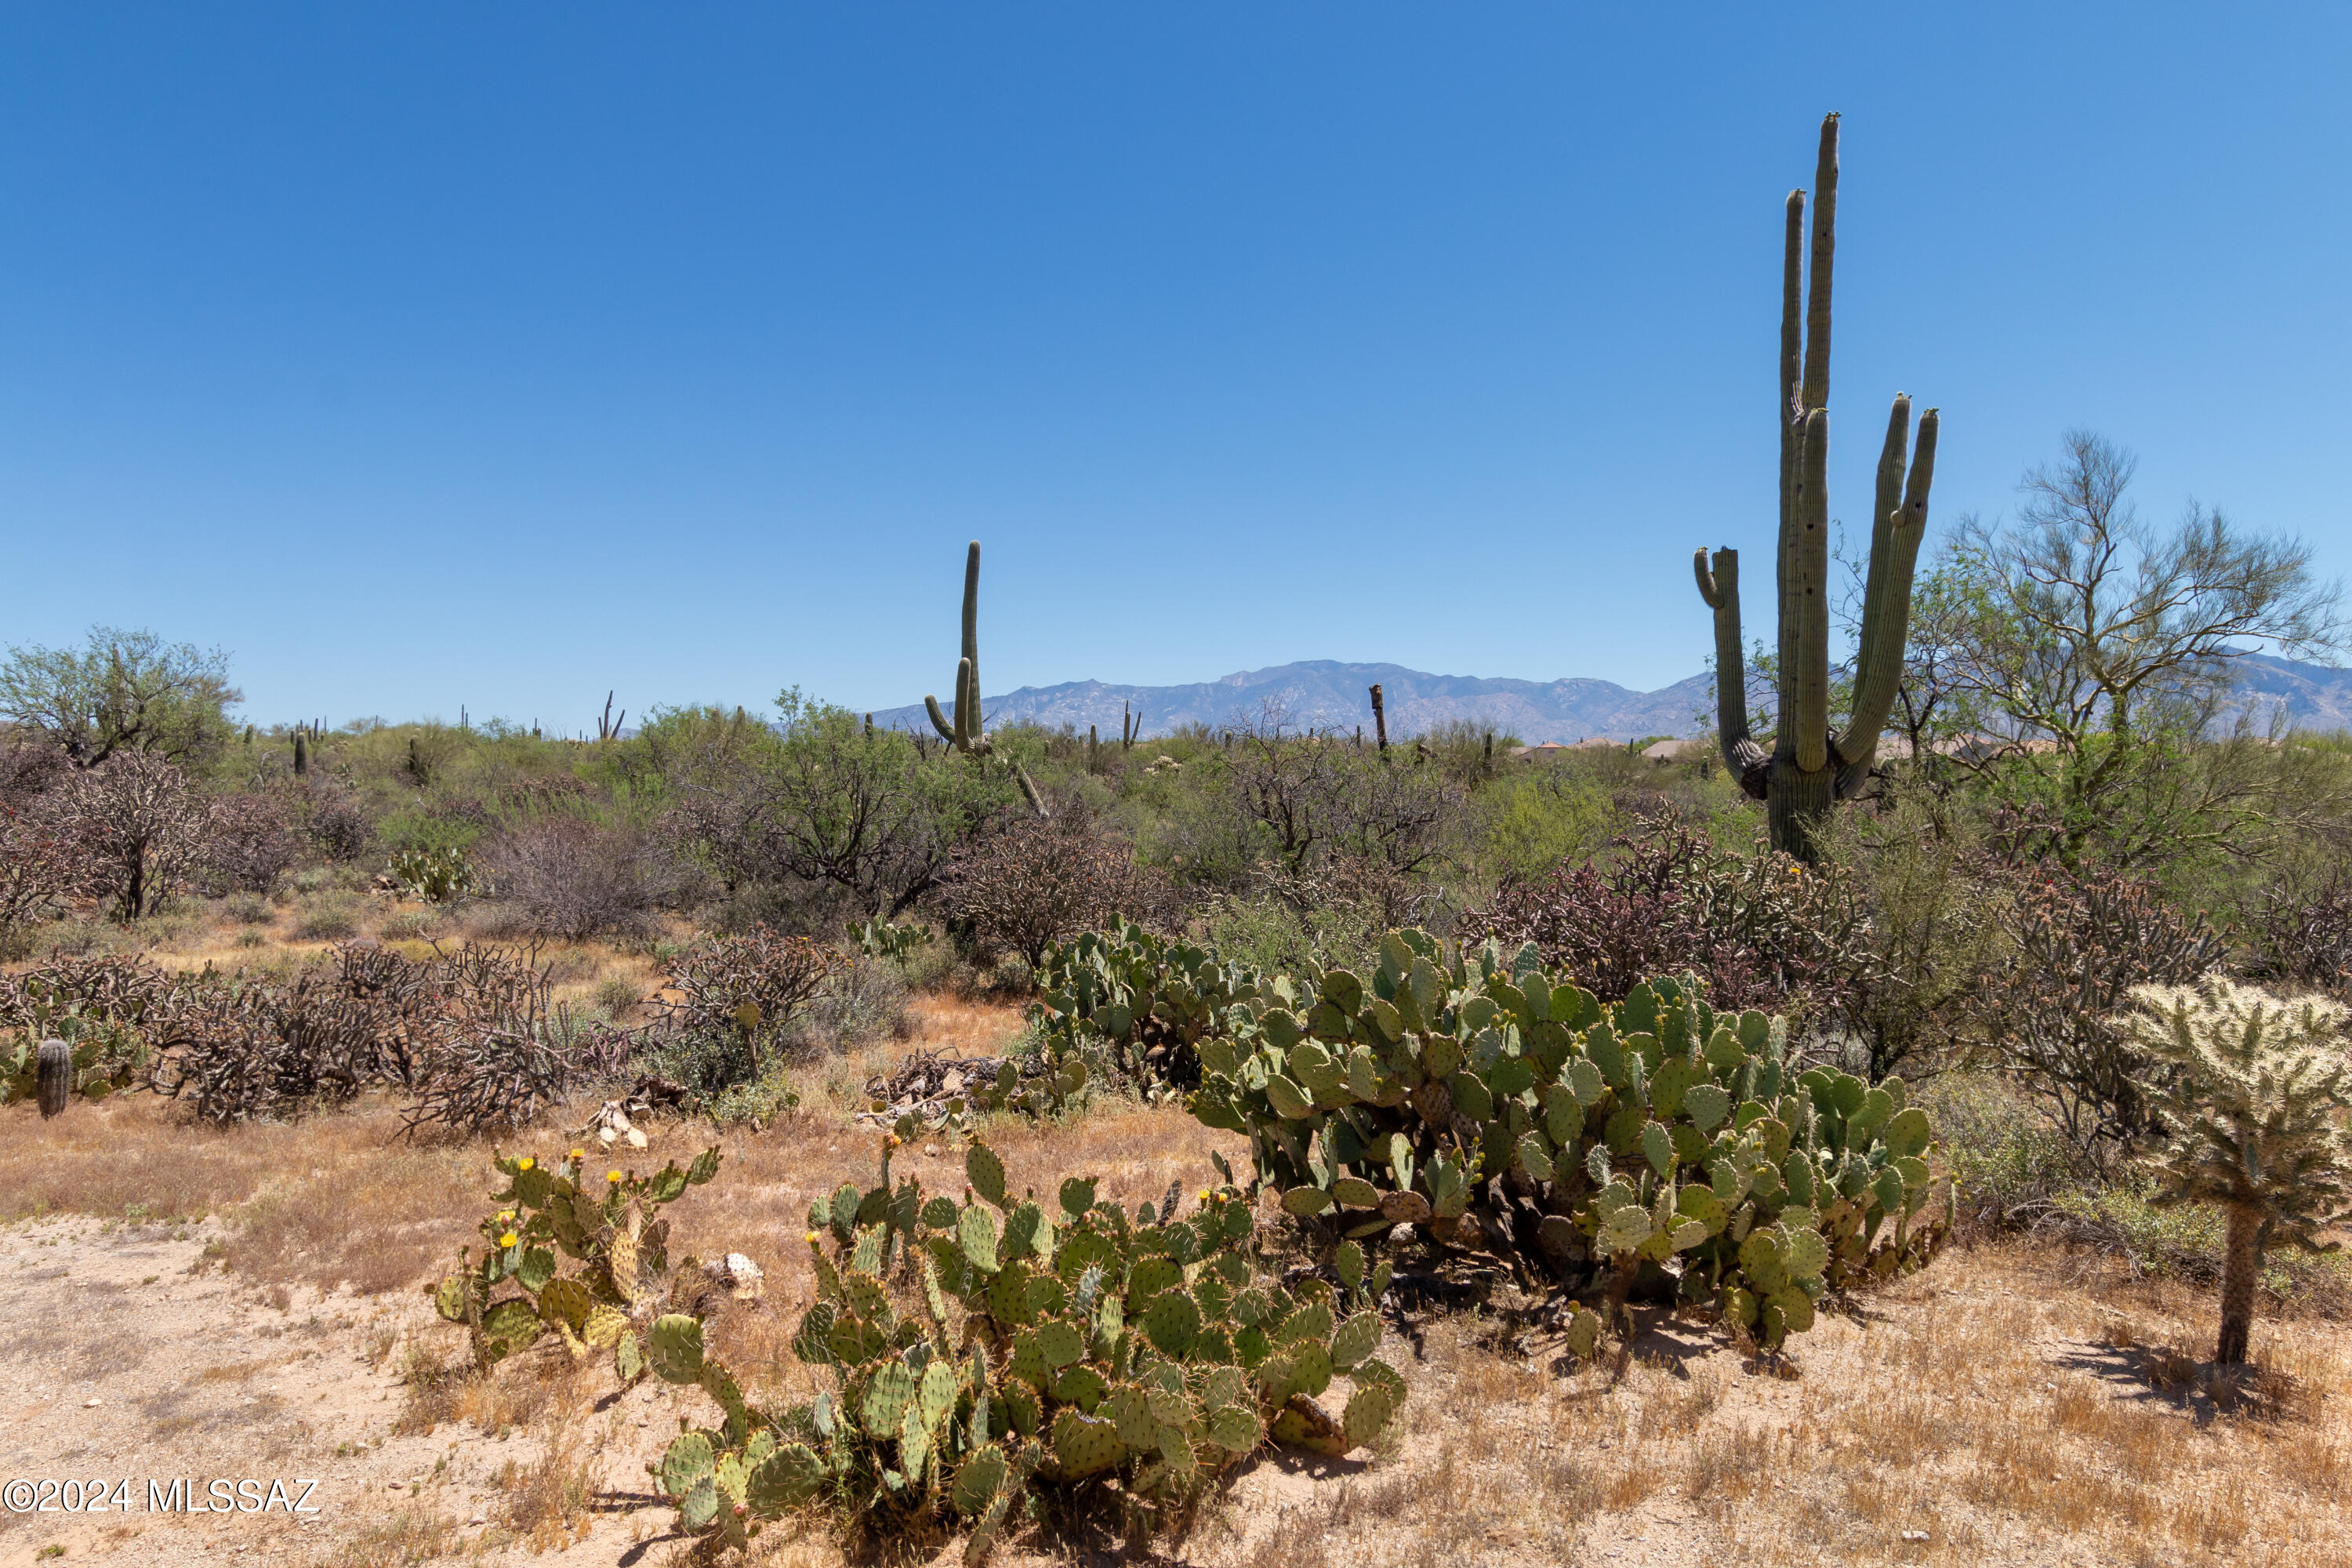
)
(1989, 1404)
(2014, 1407)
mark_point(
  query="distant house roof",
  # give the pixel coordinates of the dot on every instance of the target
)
(1672, 751)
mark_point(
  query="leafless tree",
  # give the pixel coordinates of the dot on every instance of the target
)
(142, 826)
(1034, 883)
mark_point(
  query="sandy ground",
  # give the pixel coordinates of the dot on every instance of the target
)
(126, 1363)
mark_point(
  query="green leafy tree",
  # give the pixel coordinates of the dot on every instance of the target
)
(123, 690)
(816, 797)
(2254, 1101)
(2099, 648)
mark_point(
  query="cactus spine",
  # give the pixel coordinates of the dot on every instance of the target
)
(965, 733)
(1809, 768)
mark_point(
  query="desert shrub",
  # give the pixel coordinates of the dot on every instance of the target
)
(2302, 938)
(795, 907)
(748, 989)
(1760, 929)
(2010, 1164)
(333, 917)
(706, 1063)
(1532, 823)
(1933, 933)
(247, 909)
(143, 827)
(2080, 941)
(78, 939)
(1277, 800)
(409, 925)
(1037, 1404)
(340, 826)
(1030, 884)
(864, 1000)
(819, 799)
(575, 879)
(42, 867)
(247, 844)
(617, 995)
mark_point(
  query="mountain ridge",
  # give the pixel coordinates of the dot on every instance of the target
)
(1333, 694)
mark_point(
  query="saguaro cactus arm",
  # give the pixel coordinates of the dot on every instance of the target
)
(1901, 524)
(1718, 585)
(964, 734)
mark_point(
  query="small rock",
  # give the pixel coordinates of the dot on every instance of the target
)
(475, 1519)
(739, 1274)
(89, 1403)
(1915, 1535)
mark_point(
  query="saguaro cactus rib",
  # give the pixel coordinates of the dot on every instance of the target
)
(964, 733)
(1810, 766)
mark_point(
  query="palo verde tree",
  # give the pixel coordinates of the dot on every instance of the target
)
(1809, 767)
(2253, 1101)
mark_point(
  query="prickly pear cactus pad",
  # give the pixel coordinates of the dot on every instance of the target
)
(605, 1219)
(1504, 1113)
(981, 1353)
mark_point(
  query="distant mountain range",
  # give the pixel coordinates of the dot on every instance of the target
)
(1329, 695)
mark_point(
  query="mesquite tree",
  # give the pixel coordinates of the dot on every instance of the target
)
(1809, 767)
(2253, 1103)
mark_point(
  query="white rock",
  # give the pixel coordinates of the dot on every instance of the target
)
(739, 1274)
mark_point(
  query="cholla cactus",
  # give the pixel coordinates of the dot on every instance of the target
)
(2254, 1105)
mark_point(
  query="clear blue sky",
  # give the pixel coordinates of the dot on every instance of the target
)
(500, 355)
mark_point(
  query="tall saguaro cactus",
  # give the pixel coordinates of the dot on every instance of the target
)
(1810, 767)
(964, 731)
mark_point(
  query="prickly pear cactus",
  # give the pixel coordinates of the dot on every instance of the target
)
(609, 1225)
(1592, 1148)
(1146, 1001)
(982, 1349)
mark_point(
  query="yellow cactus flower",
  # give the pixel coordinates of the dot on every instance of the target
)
(506, 1214)
(580, 1153)
(508, 1240)
(525, 1163)
(812, 1238)
(611, 1175)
